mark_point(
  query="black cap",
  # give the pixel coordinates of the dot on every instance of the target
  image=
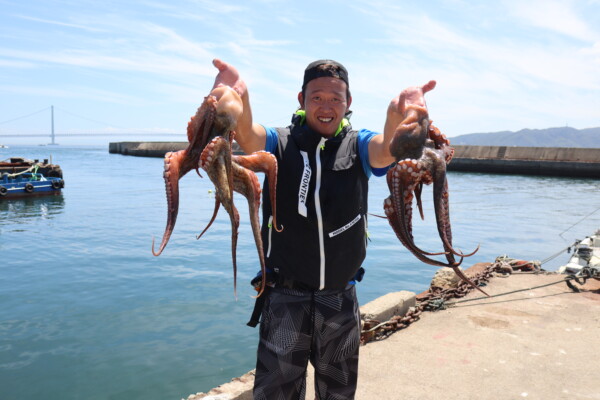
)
(325, 68)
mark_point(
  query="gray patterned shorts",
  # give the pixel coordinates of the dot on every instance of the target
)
(298, 326)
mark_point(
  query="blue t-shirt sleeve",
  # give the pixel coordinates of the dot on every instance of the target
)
(271, 140)
(364, 137)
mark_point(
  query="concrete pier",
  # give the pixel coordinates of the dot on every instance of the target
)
(538, 341)
(548, 161)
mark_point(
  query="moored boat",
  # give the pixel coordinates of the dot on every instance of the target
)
(24, 178)
(15, 165)
(586, 253)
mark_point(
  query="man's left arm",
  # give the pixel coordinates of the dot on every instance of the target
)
(379, 146)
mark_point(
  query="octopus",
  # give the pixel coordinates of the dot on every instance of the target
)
(211, 132)
(422, 153)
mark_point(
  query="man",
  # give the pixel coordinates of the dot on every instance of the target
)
(311, 312)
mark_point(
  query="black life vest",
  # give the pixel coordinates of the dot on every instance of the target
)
(324, 237)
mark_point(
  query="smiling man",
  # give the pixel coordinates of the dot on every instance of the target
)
(310, 311)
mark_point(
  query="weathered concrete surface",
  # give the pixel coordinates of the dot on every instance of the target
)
(539, 344)
(385, 307)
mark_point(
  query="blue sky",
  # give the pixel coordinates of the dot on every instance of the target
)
(145, 66)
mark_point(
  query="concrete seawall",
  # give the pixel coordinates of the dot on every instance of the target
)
(151, 149)
(548, 161)
(145, 149)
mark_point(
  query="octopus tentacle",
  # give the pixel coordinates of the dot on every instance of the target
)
(176, 165)
(407, 240)
(398, 207)
(212, 219)
(246, 183)
(262, 161)
(234, 216)
(418, 191)
(216, 161)
(442, 205)
(465, 278)
(201, 125)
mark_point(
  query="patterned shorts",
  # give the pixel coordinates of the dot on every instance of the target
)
(298, 326)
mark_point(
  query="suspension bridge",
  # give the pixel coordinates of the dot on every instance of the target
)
(52, 134)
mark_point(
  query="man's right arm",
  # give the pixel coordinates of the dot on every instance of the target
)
(250, 136)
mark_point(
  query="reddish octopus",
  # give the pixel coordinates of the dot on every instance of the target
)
(210, 134)
(428, 152)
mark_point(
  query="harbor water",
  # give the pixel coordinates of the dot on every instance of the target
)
(87, 312)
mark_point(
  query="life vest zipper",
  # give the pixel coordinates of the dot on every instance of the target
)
(270, 232)
(320, 147)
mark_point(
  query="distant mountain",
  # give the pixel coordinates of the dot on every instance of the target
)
(550, 137)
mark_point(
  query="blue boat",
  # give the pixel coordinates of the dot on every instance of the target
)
(26, 184)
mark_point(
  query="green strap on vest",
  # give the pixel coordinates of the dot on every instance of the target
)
(343, 124)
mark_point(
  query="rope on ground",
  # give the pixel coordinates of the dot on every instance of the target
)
(566, 279)
(582, 276)
(508, 265)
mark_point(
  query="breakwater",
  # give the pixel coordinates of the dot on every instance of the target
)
(152, 149)
(548, 161)
(545, 161)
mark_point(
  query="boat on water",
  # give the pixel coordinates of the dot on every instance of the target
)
(20, 177)
(14, 165)
(586, 254)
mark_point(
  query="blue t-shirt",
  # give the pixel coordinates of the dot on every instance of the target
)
(364, 137)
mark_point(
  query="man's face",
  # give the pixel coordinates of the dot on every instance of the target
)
(325, 102)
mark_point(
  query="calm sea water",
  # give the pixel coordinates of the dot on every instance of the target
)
(87, 311)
